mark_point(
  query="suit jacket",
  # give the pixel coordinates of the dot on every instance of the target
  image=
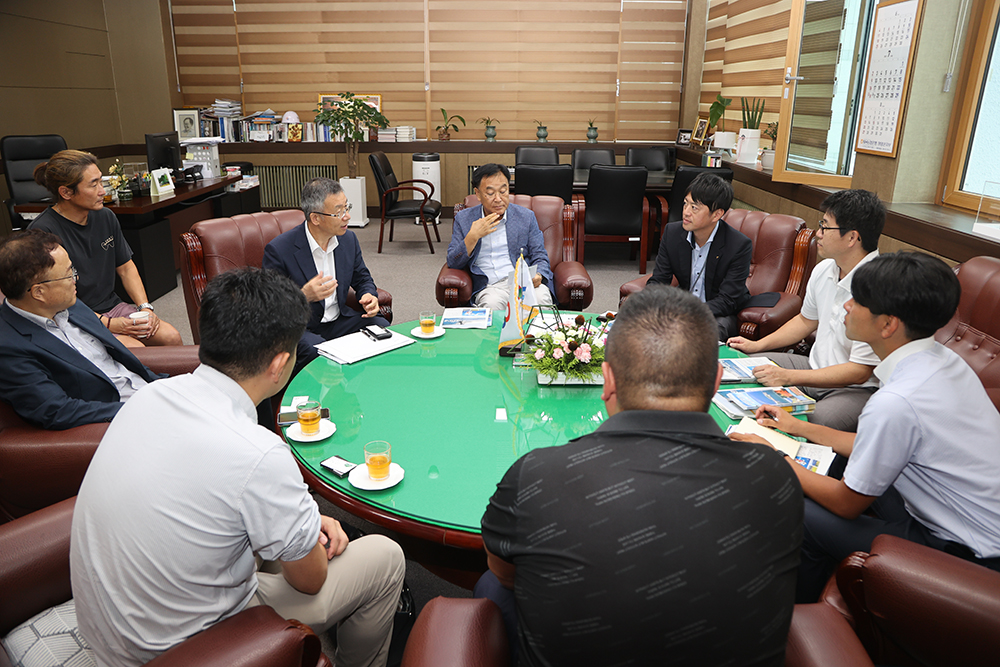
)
(49, 383)
(522, 232)
(726, 270)
(290, 254)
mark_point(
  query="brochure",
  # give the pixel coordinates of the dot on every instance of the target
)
(741, 370)
(808, 454)
(467, 318)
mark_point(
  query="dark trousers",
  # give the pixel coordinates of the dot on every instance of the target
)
(729, 326)
(489, 587)
(350, 321)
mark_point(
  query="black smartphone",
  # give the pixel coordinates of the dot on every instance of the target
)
(378, 333)
(338, 466)
(289, 418)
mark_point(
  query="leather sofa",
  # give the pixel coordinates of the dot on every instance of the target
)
(218, 245)
(574, 287)
(458, 632)
(34, 576)
(40, 467)
(784, 254)
(974, 330)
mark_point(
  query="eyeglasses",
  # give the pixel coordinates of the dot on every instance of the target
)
(338, 214)
(75, 276)
(823, 229)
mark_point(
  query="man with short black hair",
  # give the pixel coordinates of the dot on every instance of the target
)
(652, 539)
(925, 462)
(709, 258)
(186, 490)
(838, 372)
(486, 240)
(59, 365)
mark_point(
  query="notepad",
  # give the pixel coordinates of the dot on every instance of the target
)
(358, 346)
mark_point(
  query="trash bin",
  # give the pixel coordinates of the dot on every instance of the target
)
(427, 167)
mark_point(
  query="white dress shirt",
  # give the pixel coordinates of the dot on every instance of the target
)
(324, 262)
(699, 259)
(494, 256)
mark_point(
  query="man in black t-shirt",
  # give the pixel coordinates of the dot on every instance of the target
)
(654, 540)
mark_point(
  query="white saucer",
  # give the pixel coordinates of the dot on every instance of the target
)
(360, 480)
(326, 429)
(416, 333)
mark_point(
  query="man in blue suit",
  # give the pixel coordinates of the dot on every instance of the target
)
(487, 239)
(60, 367)
(323, 258)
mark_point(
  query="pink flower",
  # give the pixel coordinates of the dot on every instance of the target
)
(582, 355)
(585, 347)
(539, 354)
(565, 346)
(557, 353)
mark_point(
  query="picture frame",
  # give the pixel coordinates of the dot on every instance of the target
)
(373, 100)
(700, 131)
(160, 182)
(683, 137)
(186, 124)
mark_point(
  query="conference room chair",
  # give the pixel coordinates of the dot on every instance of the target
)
(39, 467)
(900, 604)
(585, 158)
(614, 209)
(539, 179)
(21, 154)
(536, 155)
(423, 208)
(574, 287)
(783, 257)
(655, 158)
(37, 612)
(218, 245)
(974, 330)
(458, 632)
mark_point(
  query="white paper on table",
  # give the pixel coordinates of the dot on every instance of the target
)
(358, 346)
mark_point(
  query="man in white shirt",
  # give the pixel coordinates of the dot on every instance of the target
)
(925, 463)
(838, 372)
(186, 490)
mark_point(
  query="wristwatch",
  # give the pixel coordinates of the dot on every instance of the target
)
(146, 306)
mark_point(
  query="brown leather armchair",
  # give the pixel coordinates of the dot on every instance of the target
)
(974, 331)
(34, 576)
(218, 245)
(784, 254)
(573, 287)
(40, 467)
(458, 632)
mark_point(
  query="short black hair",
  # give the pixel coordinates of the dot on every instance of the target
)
(663, 344)
(247, 317)
(857, 210)
(24, 258)
(712, 190)
(487, 170)
(917, 288)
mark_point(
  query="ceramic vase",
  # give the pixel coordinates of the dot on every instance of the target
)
(591, 135)
(491, 133)
(542, 133)
(747, 146)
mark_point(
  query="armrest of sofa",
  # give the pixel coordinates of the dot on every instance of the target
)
(458, 632)
(820, 637)
(384, 302)
(169, 359)
(632, 287)
(573, 286)
(453, 287)
(255, 637)
(34, 563)
(757, 322)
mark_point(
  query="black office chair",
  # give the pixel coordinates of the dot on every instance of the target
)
(615, 209)
(657, 158)
(585, 158)
(424, 208)
(536, 155)
(21, 154)
(545, 179)
(682, 181)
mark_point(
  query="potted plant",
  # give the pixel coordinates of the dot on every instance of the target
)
(767, 156)
(570, 353)
(443, 130)
(749, 143)
(350, 117)
(542, 132)
(490, 125)
(717, 114)
(591, 132)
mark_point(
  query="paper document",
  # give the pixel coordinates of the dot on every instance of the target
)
(467, 318)
(807, 454)
(741, 370)
(358, 346)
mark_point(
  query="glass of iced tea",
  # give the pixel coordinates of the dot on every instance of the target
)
(378, 456)
(427, 322)
(308, 413)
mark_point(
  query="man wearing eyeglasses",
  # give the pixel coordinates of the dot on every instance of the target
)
(838, 371)
(60, 367)
(323, 258)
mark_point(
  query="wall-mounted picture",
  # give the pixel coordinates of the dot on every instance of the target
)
(186, 123)
(373, 100)
(700, 131)
(683, 138)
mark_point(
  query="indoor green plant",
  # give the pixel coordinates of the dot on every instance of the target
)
(443, 131)
(749, 142)
(542, 132)
(591, 132)
(490, 125)
(753, 113)
(717, 112)
(568, 351)
(767, 156)
(350, 117)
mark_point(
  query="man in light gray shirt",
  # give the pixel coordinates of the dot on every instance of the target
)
(165, 534)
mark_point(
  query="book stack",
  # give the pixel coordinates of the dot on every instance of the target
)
(406, 133)
(739, 403)
(387, 135)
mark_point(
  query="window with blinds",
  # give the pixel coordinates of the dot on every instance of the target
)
(561, 62)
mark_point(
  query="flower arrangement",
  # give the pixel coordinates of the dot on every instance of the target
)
(117, 175)
(574, 350)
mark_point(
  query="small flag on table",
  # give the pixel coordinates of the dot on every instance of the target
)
(520, 306)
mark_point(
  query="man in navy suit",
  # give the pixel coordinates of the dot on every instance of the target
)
(487, 239)
(60, 367)
(323, 258)
(709, 258)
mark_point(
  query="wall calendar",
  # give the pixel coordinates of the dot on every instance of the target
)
(890, 59)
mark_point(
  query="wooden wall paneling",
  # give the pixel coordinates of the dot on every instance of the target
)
(207, 54)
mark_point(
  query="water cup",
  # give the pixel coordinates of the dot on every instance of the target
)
(308, 414)
(427, 322)
(378, 456)
(140, 317)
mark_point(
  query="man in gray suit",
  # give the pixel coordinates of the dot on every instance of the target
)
(486, 240)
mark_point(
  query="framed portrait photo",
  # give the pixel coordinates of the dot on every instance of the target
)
(186, 123)
(683, 138)
(700, 131)
(371, 100)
